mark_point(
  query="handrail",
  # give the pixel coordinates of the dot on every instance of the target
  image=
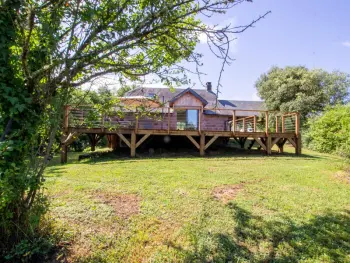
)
(295, 124)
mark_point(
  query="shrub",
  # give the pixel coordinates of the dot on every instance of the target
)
(330, 132)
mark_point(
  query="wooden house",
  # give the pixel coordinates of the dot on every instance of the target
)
(193, 113)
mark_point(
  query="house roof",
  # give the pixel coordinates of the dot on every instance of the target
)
(195, 94)
(166, 96)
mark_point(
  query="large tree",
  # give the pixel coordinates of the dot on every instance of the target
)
(47, 48)
(299, 89)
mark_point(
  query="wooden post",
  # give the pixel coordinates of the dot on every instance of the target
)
(200, 112)
(137, 124)
(297, 124)
(233, 121)
(64, 152)
(298, 145)
(267, 122)
(244, 125)
(202, 145)
(277, 130)
(168, 120)
(254, 127)
(297, 134)
(133, 144)
(114, 142)
(283, 128)
(268, 145)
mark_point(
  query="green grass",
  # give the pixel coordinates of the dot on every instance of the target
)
(290, 209)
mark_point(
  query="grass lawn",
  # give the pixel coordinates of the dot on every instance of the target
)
(242, 208)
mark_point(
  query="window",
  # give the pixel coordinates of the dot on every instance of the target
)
(187, 119)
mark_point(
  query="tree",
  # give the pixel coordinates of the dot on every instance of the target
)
(48, 48)
(299, 89)
(330, 131)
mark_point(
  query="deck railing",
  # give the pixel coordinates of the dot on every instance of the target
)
(164, 119)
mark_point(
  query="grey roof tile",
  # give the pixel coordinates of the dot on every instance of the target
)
(165, 95)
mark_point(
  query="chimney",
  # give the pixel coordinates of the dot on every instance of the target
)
(208, 84)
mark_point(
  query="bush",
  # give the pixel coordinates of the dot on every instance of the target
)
(330, 132)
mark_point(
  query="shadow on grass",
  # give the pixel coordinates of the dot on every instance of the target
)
(324, 238)
(124, 155)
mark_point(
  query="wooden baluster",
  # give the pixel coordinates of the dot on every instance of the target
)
(267, 122)
(277, 124)
(283, 126)
(169, 120)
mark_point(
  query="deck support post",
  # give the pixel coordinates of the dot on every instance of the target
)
(298, 145)
(202, 145)
(64, 153)
(280, 145)
(268, 145)
(114, 142)
(133, 144)
(94, 139)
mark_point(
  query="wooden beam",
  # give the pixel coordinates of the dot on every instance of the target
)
(242, 141)
(121, 136)
(280, 145)
(142, 140)
(267, 122)
(292, 142)
(269, 145)
(66, 140)
(133, 145)
(211, 141)
(64, 153)
(274, 141)
(261, 143)
(193, 141)
(202, 145)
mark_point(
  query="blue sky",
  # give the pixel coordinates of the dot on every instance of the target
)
(312, 33)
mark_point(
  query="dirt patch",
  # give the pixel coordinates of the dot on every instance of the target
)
(343, 176)
(124, 205)
(226, 193)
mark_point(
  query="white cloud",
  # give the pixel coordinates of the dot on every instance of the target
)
(346, 43)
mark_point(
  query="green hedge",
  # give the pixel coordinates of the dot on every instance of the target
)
(330, 132)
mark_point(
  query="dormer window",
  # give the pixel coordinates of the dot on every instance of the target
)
(151, 95)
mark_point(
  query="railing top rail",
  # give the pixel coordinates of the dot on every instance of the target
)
(212, 109)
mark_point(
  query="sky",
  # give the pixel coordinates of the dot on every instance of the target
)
(312, 33)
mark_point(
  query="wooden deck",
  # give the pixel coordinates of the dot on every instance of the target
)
(285, 128)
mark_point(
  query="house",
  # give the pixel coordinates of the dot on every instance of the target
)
(191, 108)
(196, 115)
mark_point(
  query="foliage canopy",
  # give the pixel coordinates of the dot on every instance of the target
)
(48, 48)
(300, 89)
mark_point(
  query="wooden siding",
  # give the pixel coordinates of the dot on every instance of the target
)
(187, 100)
